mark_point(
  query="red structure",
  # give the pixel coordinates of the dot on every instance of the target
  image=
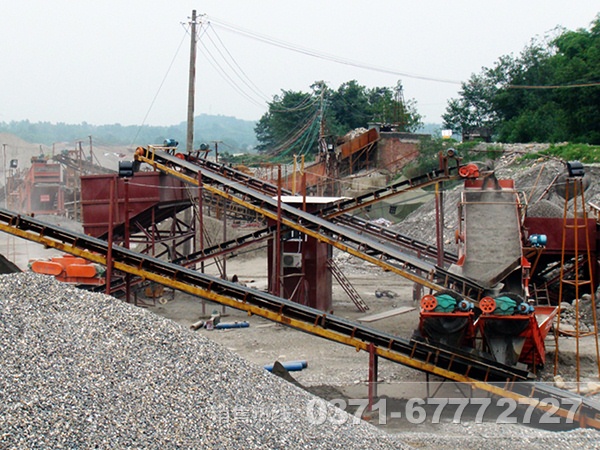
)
(42, 191)
(144, 192)
(305, 275)
(517, 337)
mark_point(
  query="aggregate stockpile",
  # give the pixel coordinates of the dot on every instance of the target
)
(84, 370)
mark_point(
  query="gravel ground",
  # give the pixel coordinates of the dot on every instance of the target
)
(83, 370)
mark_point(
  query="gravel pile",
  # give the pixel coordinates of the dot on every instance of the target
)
(84, 370)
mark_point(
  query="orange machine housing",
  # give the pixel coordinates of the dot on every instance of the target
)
(69, 269)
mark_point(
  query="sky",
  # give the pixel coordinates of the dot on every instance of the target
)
(127, 61)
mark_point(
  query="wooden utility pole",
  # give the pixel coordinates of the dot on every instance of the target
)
(217, 150)
(5, 177)
(189, 144)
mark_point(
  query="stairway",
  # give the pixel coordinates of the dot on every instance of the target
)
(337, 273)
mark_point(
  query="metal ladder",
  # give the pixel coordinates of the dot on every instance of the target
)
(347, 286)
(541, 295)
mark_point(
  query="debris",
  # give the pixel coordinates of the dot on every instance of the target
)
(382, 293)
(197, 325)
(215, 318)
(381, 221)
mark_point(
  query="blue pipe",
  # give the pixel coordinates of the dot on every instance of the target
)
(224, 325)
(290, 366)
(300, 361)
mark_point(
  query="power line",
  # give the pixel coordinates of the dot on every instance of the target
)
(159, 88)
(556, 86)
(217, 66)
(245, 77)
(316, 54)
(237, 70)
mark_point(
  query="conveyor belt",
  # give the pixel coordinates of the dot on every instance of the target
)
(82, 165)
(414, 245)
(346, 205)
(334, 209)
(363, 247)
(338, 212)
(433, 358)
(227, 246)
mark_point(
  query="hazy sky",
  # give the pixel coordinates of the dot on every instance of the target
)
(126, 61)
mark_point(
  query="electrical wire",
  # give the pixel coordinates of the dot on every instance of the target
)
(316, 54)
(217, 66)
(556, 86)
(235, 66)
(159, 88)
(287, 146)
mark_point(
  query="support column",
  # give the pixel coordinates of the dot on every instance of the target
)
(373, 369)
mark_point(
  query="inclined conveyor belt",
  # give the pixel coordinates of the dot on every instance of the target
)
(177, 277)
(450, 363)
(364, 247)
(337, 212)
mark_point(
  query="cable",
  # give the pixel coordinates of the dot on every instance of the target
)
(213, 61)
(556, 86)
(288, 145)
(159, 88)
(250, 84)
(227, 57)
(324, 56)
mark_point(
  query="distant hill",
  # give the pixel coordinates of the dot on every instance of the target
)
(236, 135)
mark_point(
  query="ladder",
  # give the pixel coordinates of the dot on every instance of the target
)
(337, 273)
(576, 226)
(541, 295)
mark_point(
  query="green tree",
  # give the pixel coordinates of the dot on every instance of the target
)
(294, 119)
(476, 108)
(549, 93)
(289, 124)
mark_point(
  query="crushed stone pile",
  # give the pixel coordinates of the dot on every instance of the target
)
(84, 370)
(532, 178)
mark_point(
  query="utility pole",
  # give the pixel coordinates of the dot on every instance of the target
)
(5, 179)
(217, 150)
(91, 151)
(189, 145)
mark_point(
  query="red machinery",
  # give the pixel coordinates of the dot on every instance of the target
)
(509, 329)
(514, 332)
(42, 190)
(491, 253)
(447, 318)
(70, 269)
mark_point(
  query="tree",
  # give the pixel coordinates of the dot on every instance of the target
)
(294, 118)
(290, 121)
(549, 93)
(476, 109)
